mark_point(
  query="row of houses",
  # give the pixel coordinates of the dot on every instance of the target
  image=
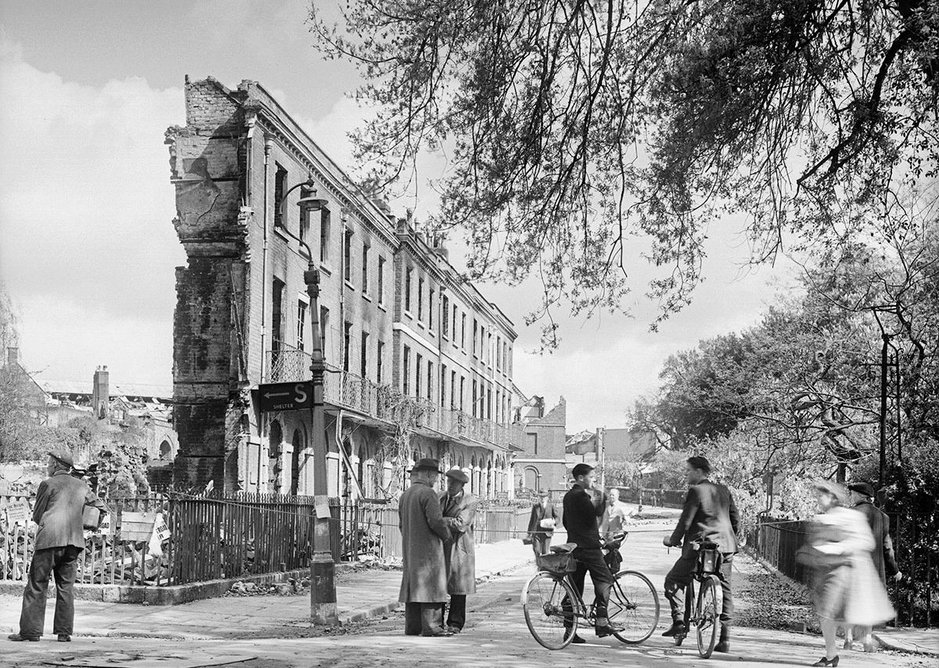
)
(401, 325)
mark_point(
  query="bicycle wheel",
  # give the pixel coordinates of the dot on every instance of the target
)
(634, 605)
(544, 600)
(707, 615)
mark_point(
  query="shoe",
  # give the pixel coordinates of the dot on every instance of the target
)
(577, 640)
(64, 637)
(827, 662)
(442, 633)
(677, 628)
(723, 646)
(870, 647)
(454, 629)
(608, 630)
(16, 637)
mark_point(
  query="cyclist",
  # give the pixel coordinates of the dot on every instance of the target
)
(582, 521)
(709, 514)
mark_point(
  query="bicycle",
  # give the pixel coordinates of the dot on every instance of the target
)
(553, 608)
(707, 609)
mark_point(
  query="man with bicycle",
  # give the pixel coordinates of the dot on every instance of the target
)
(709, 514)
(582, 521)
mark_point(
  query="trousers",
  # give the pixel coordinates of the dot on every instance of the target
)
(679, 577)
(592, 561)
(62, 563)
(540, 543)
(423, 618)
(456, 611)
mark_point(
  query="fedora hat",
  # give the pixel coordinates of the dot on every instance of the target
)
(426, 465)
(864, 488)
(457, 474)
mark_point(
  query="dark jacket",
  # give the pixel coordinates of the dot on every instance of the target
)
(538, 513)
(582, 518)
(709, 513)
(885, 561)
(58, 511)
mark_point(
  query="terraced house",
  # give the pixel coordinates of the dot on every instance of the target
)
(420, 363)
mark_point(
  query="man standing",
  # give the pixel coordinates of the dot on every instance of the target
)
(459, 512)
(617, 515)
(541, 524)
(885, 560)
(581, 520)
(423, 532)
(60, 501)
(709, 514)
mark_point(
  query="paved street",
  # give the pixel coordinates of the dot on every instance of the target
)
(496, 635)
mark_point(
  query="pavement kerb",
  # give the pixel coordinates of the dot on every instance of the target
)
(898, 645)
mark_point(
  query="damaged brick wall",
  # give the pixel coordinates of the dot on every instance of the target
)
(207, 171)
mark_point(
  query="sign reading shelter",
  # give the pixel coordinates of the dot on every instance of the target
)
(285, 397)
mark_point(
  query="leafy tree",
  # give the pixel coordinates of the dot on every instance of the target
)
(571, 125)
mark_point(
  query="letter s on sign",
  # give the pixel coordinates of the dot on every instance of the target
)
(300, 393)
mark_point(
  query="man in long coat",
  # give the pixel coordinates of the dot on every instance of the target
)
(459, 512)
(60, 502)
(423, 532)
(541, 524)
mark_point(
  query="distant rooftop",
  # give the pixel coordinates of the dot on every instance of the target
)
(116, 389)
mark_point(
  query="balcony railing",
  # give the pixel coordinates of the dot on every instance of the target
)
(351, 391)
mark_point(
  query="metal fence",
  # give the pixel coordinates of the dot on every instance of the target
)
(205, 538)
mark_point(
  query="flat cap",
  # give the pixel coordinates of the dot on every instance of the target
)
(457, 474)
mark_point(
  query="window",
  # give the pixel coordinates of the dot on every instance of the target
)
(407, 289)
(420, 299)
(498, 354)
(534, 443)
(346, 345)
(444, 320)
(381, 280)
(324, 327)
(463, 332)
(301, 322)
(475, 336)
(489, 403)
(324, 235)
(443, 385)
(380, 357)
(453, 390)
(454, 323)
(347, 257)
(280, 185)
(473, 408)
(430, 309)
(406, 388)
(417, 376)
(304, 225)
(277, 314)
(430, 381)
(498, 404)
(363, 356)
(462, 392)
(489, 347)
(365, 249)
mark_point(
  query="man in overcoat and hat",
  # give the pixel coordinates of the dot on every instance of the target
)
(459, 512)
(423, 532)
(60, 502)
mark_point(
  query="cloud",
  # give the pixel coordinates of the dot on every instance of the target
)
(86, 214)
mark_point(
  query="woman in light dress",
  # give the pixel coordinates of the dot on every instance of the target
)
(845, 586)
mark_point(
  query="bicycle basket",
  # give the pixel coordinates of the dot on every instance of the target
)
(709, 561)
(556, 564)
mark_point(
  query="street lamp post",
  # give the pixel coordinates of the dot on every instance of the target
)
(322, 568)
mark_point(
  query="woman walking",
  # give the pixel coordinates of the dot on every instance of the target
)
(845, 585)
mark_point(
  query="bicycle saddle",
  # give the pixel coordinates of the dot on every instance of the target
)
(564, 548)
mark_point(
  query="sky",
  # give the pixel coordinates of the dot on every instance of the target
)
(87, 247)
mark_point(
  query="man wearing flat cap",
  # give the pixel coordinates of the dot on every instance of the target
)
(459, 512)
(423, 533)
(59, 542)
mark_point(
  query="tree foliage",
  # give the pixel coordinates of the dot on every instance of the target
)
(573, 125)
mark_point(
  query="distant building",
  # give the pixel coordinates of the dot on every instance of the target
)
(610, 446)
(541, 466)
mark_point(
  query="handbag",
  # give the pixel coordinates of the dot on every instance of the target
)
(526, 540)
(91, 518)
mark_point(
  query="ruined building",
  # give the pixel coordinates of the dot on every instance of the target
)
(399, 323)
